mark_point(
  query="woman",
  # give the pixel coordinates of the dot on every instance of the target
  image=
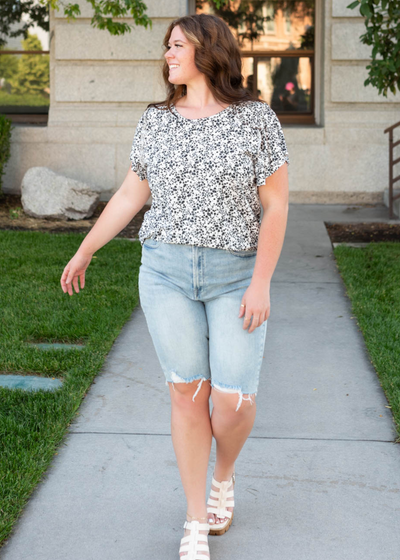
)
(208, 155)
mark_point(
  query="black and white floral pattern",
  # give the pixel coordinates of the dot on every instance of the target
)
(203, 173)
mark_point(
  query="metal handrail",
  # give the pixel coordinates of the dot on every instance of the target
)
(392, 163)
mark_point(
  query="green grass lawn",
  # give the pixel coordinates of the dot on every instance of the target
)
(34, 308)
(372, 279)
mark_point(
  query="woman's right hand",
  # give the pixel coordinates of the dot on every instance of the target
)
(76, 267)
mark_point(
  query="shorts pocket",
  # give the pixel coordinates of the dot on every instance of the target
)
(243, 253)
(151, 243)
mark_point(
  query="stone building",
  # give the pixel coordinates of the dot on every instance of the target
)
(100, 85)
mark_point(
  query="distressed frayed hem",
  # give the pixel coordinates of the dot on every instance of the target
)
(234, 390)
(175, 378)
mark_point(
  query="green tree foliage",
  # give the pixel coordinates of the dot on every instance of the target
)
(11, 12)
(382, 22)
(5, 152)
(247, 19)
(8, 65)
(32, 75)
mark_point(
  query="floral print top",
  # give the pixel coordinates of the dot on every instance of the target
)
(203, 173)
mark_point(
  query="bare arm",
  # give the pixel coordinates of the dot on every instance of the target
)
(274, 197)
(119, 211)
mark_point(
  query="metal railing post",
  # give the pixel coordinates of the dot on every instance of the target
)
(391, 216)
(392, 163)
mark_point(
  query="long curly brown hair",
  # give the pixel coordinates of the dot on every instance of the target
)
(217, 56)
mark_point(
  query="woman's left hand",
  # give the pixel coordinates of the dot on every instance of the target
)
(256, 303)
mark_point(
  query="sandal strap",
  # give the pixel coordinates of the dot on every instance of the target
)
(195, 545)
(201, 537)
(215, 494)
(220, 512)
(200, 526)
(199, 556)
(200, 544)
(220, 500)
(220, 504)
(223, 483)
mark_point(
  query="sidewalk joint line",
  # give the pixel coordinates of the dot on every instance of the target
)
(250, 437)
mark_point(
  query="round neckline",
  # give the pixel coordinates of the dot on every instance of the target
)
(200, 118)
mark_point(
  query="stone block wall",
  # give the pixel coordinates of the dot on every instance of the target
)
(101, 84)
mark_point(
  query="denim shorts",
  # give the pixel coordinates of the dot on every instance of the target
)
(191, 296)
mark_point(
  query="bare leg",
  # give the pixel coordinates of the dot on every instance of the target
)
(231, 429)
(191, 438)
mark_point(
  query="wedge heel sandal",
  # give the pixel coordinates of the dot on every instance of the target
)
(195, 545)
(217, 503)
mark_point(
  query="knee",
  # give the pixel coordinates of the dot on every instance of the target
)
(186, 395)
(234, 406)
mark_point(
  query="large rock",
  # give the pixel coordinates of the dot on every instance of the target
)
(45, 194)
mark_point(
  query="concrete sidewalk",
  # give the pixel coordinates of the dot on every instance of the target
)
(318, 479)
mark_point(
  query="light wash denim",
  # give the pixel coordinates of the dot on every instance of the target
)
(191, 298)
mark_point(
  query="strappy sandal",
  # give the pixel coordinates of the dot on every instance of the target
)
(218, 502)
(195, 545)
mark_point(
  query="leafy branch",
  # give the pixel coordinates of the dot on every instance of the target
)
(11, 12)
(382, 22)
(247, 19)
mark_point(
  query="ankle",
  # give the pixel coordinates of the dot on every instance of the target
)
(197, 516)
(223, 474)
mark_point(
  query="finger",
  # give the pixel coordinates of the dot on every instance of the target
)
(63, 279)
(68, 283)
(242, 309)
(66, 286)
(247, 319)
(75, 283)
(254, 324)
(82, 280)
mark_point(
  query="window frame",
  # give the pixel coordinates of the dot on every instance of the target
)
(315, 116)
(288, 117)
(26, 117)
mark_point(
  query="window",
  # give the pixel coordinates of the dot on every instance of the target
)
(269, 15)
(276, 39)
(25, 77)
(288, 23)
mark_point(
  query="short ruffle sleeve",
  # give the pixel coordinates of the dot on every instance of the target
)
(273, 152)
(138, 164)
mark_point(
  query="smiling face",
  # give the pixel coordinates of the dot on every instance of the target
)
(180, 58)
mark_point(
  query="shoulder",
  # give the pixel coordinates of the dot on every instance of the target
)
(156, 110)
(154, 114)
(257, 112)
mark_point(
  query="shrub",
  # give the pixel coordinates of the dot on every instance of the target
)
(5, 140)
